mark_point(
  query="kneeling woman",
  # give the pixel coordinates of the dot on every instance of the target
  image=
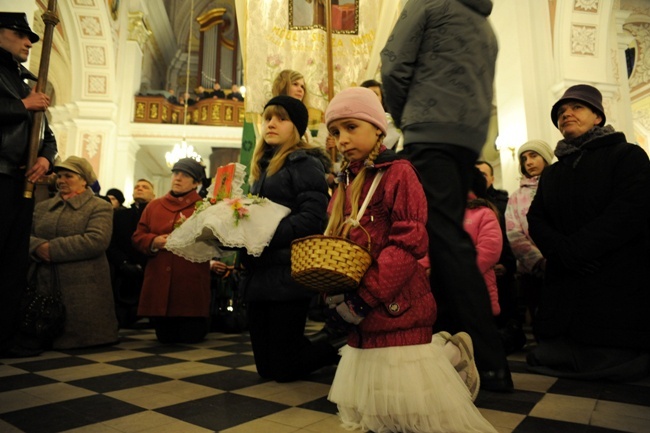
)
(71, 233)
(176, 292)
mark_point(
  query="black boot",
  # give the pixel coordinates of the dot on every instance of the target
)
(333, 337)
(497, 380)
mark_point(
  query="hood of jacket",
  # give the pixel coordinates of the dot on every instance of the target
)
(483, 7)
(385, 158)
(320, 154)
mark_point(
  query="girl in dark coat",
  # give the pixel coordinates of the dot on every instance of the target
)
(287, 171)
(393, 376)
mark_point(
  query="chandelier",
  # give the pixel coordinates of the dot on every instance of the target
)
(182, 149)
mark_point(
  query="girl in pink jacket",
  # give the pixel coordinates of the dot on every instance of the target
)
(534, 157)
(482, 225)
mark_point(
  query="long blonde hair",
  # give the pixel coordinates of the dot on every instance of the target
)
(281, 155)
(337, 217)
(284, 80)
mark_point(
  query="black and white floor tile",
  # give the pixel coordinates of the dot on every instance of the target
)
(141, 386)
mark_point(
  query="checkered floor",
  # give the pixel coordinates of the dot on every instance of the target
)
(143, 386)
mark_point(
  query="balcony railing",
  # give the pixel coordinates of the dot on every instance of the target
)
(213, 112)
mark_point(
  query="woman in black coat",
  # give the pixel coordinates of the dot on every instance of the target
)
(590, 220)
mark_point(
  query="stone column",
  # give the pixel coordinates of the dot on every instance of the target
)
(128, 75)
(524, 73)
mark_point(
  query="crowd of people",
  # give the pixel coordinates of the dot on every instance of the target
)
(201, 93)
(459, 267)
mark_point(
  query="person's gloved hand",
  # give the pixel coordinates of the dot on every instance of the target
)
(349, 306)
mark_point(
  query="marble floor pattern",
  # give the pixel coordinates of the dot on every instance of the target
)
(141, 386)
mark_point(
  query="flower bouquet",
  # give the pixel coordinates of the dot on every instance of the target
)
(228, 220)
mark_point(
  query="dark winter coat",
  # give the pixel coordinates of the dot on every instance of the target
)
(122, 250)
(16, 120)
(299, 185)
(395, 285)
(79, 231)
(173, 286)
(438, 72)
(590, 220)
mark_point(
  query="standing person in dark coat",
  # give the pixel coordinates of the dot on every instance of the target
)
(438, 76)
(126, 261)
(288, 171)
(589, 219)
(17, 106)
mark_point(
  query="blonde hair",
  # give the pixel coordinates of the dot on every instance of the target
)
(285, 150)
(284, 80)
(337, 217)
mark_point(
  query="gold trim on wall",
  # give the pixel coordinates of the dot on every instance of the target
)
(320, 20)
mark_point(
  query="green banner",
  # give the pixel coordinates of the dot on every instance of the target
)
(247, 148)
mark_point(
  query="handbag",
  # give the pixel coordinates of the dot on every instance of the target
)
(43, 312)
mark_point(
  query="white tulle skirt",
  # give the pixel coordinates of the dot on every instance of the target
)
(205, 233)
(408, 389)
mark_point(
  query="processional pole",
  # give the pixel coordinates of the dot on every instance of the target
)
(330, 61)
(51, 19)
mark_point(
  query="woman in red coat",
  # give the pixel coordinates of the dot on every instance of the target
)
(176, 292)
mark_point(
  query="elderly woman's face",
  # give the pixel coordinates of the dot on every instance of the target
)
(574, 118)
(69, 182)
(183, 182)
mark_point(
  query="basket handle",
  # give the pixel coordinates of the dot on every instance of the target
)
(346, 232)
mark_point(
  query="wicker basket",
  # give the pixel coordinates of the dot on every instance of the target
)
(328, 263)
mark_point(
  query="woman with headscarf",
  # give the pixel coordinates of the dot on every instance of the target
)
(176, 292)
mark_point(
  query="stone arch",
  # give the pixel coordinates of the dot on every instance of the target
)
(90, 40)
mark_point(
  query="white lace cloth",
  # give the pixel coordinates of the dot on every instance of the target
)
(202, 236)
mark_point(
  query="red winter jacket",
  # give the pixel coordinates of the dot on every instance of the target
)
(396, 286)
(172, 286)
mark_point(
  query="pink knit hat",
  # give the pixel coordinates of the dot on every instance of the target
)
(357, 103)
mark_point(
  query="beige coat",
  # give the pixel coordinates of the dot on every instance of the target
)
(79, 232)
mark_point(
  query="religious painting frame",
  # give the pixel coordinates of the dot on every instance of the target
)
(310, 14)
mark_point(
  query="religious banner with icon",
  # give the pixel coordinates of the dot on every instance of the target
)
(309, 14)
(283, 42)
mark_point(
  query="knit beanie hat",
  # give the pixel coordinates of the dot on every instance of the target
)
(583, 93)
(191, 167)
(538, 146)
(357, 103)
(117, 194)
(295, 108)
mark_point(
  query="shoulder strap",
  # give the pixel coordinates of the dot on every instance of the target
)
(373, 187)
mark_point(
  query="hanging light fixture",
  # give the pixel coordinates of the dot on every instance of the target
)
(182, 149)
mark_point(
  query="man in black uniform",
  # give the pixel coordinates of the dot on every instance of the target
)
(17, 106)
